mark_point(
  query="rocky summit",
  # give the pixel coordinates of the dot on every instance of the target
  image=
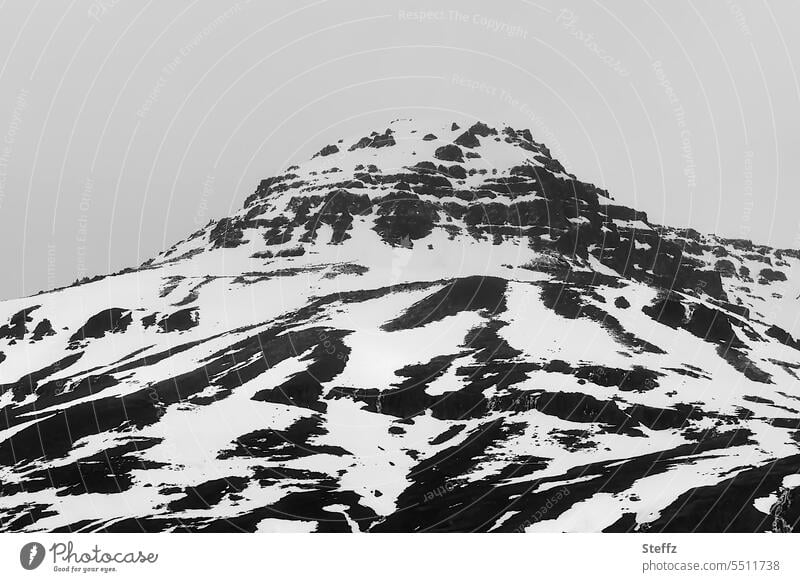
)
(420, 329)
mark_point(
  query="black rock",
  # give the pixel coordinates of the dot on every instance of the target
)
(449, 153)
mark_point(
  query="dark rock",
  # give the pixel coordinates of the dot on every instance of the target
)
(577, 407)
(297, 251)
(112, 320)
(550, 165)
(327, 150)
(637, 379)
(425, 166)
(467, 294)
(725, 268)
(374, 141)
(771, 275)
(621, 302)
(712, 325)
(467, 140)
(16, 327)
(783, 336)
(364, 142)
(663, 418)
(667, 309)
(181, 320)
(449, 153)
(226, 234)
(482, 130)
(404, 217)
(42, 329)
(208, 494)
(617, 212)
(457, 172)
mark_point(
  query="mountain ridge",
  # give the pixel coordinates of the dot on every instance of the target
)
(420, 329)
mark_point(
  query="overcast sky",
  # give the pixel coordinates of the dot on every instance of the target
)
(125, 125)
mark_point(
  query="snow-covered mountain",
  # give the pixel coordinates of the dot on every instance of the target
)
(420, 329)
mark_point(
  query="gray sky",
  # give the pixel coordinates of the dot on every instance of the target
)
(125, 125)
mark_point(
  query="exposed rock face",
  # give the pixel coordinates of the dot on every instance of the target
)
(227, 233)
(449, 153)
(328, 150)
(467, 140)
(113, 320)
(181, 320)
(375, 140)
(404, 216)
(771, 275)
(43, 329)
(426, 331)
(17, 325)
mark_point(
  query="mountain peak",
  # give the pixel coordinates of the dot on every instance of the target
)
(408, 181)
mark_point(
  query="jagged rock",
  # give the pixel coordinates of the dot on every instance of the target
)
(482, 130)
(112, 320)
(449, 153)
(404, 216)
(181, 320)
(376, 140)
(327, 151)
(298, 251)
(226, 234)
(457, 172)
(43, 329)
(725, 268)
(771, 275)
(467, 140)
(16, 328)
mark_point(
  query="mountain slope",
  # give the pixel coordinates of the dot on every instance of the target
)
(420, 329)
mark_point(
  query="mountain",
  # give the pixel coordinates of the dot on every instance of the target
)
(419, 329)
